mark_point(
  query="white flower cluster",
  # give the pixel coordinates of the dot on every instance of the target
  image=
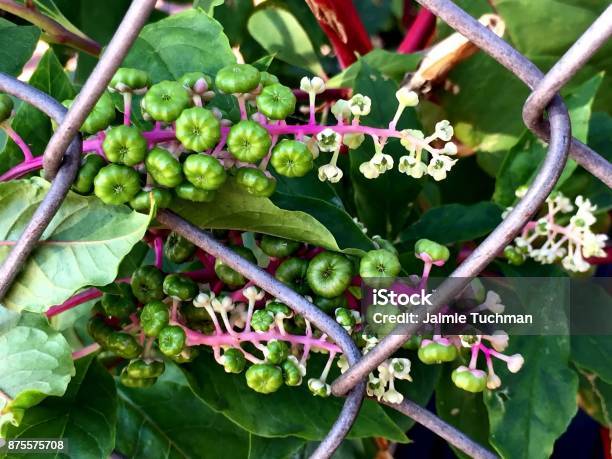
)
(547, 240)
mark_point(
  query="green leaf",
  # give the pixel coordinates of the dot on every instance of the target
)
(167, 420)
(208, 5)
(595, 397)
(463, 410)
(184, 42)
(235, 209)
(35, 361)
(383, 204)
(83, 245)
(454, 223)
(393, 65)
(50, 9)
(536, 404)
(85, 416)
(17, 44)
(279, 32)
(291, 411)
(31, 124)
(594, 354)
(276, 448)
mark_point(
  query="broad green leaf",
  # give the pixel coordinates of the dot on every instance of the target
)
(383, 204)
(277, 448)
(83, 245)
(208, 5)
(279, 32)
(595, 397)
(167, 420)
(35, 361)
(31, 124)
(184, 42)
(17, 43)
(235, 209)
(594, 354)
(452, 223)
(393, 65)
(348, 449)
(291, 411)
(85, 416)
(463, 410)
(536, 405)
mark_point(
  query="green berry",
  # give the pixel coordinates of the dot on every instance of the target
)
(264, 378)
(278, 247)
(154, 317)
(116, 184)
(198, 129)
(125, 145)
(432, 352)
(514, 256)
(117, 305)
(291, 373)
(142, 369)
(187, 355)
(436, 251)
(469, 380)
(177, 249)
(329, 305)
(293, 273)
(166, 100)
(228, 275)
(204, 172)
(124, 345)
(180, 287)
(291, 158)
(267, 79)
(255, 182)
(99, 330)
(100, 117)
(165, 169)
(90, 167)
(189, 192)
(248, 141)
(233, 360)
(142, 201)
(329, 274)
(196, 82)
(136, 383)
(171, 340)
(276, 101)
(276, 351)
(262, 320)
(128, 80)
(237, 78)
(146, 284)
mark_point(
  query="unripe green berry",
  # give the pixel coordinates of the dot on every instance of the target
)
(436, 251)
(198, 129)
(262, 320)
(255, 182)
(233, 360)
(128, 80)
(160, 196)
(276, 101)
(165, 169)
(469, 380)
(84, 181)
(204, 172)
(189, 192)
(116, 184)
(276, 351)
(237, 78)
(291, 158)
(154, 317)
(264, 378)
(166, 100)
(248, 141)
(6, 107)
(125, 145)
(171, 340)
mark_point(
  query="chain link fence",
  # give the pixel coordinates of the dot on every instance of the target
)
(62, 157)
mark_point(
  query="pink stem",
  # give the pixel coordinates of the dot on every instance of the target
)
(27, 153)
(22, 169)
(474, 359)
(73, 302)
(127, 108)
(158, 245)
(95, 347)
(420, 30)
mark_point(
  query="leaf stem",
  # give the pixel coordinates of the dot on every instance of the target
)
(56, 33)
(94, 347)
(27, 153)
(419, 32)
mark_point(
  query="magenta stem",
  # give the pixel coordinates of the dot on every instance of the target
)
(127, 108)
(419, 32)
(27, 153)
(95, 347)
(158, 246)
(22, 169)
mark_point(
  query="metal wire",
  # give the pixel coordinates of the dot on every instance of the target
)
(58, 190)
(97, 82)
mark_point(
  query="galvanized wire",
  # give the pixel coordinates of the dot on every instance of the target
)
(57, 192)
(543, 96)
(97, 82)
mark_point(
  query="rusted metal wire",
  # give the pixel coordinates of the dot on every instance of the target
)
(97, 82)
(59, 188)
(298, 303)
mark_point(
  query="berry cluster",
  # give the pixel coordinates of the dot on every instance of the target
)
(563, 233)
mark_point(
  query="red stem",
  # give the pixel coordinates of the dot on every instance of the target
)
(417, 36)
(341, 23)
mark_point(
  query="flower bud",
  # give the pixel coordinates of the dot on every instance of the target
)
(437, 252)
(444, 130)
(406, 97)
(515, 363)
(313, 85)
(353, 140)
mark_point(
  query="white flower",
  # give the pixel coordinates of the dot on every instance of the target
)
(444, 130)
(410, 166)
(360, 105)
(330, 172)
(319, 387)
(328, 140)
(542, 226)
(449, 149)
(252, 293)
(400, 368)
(343, 364)
(493, 381)
(393, 396)
(562, 203)
(375, 387)
(224, 304)
(575, 262)
(493, 302)
(353, 140)
(384, 372)
(521, 191)
(499, 340)
(311, 143)
(314, 85)
(341, 110)
(238, 316)
(407, 139)
(203, 299)
(515, 363)
(593, 244)
(406, 97)
(469, 340)
(439, 166)
(382, 162)
(293, 359)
